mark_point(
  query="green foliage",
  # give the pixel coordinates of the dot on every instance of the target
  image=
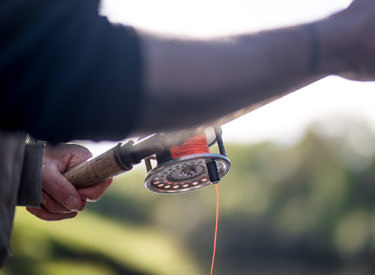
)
(101, 243)
(302, 209)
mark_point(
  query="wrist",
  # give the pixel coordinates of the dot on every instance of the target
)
(337, 45)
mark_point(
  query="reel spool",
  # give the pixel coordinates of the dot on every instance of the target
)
(179, 168)
(188, 166)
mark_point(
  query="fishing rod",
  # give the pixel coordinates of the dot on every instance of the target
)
(183, 161)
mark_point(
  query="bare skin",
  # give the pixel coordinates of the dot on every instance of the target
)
(60, 199)
(348, 42)
(192, 82)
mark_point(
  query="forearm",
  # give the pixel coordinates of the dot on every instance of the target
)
(190, 82)
(198, 81)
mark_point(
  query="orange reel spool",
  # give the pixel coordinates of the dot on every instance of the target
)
(188, 166)
(194, 145)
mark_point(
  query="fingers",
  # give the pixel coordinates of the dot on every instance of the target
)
(93, 193)
(44, 214)
(79, 155)
(50, 210)
(52, 206)
(67, 156)
(60, 189)
(60, 199)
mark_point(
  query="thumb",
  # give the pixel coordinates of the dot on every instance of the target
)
(59, 188)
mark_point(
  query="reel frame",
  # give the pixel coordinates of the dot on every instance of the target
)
(188, 172)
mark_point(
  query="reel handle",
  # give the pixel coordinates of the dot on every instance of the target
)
(98, 169)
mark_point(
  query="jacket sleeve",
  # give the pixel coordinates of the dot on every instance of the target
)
(30, 190)
(67, 72)
(12, 146)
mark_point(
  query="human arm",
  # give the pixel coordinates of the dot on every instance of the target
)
(189, 82)
(60, 199)
(75, 63)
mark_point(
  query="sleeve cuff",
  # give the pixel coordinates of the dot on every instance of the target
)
(30, 191)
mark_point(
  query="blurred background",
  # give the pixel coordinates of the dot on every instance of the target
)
(306, 208)
(299, 198)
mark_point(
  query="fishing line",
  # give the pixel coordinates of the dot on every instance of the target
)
(194, 145)
(216, 223)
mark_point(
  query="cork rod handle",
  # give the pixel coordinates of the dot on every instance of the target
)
(97, 169)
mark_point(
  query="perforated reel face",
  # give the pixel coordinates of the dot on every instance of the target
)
(185, 174)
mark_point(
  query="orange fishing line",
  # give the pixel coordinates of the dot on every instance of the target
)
(216, 222)
(194, 145)
(198, 145)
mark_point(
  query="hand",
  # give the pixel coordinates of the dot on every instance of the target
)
(348, 40)
(60, 199)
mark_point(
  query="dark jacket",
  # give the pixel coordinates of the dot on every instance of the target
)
(20, 181)
(66, 73)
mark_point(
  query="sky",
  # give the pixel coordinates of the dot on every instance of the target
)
(284, 120)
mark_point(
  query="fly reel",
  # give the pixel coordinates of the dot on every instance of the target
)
(188, 166)
(180, 168)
